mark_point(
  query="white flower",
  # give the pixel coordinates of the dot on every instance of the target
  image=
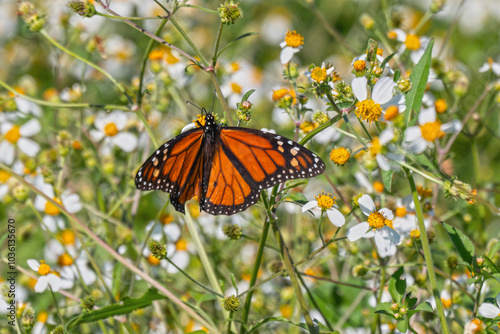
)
(68, 200)
(386, 238)
(489, 310)
(244, 78)
(290, 46)
(418, 138)
(490, 65)
(385, 160)
(326, 203)
(166, 228)
(110, 126)
(413, 43)
(47, 278)
(370, 109)
(14, 135)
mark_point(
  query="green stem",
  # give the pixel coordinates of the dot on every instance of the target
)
(217, 41)
(225, 106)
(253, 278)
(320, 128)
(427, 254)
(97, 68)
(133, 18)
(200, 8)
(190, 42)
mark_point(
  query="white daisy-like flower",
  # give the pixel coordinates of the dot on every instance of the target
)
(109, 128)
(370, 109)
(47, 278)
(418, 138)
(68, 200)
(166, 228)
(319, 74)
(386, 238)
(380, 60)
(411, 42)
(490, 310)
(73, 93)
(326, 203)
(490, 65)
(15, 135)
(378, 149)
(291, 45)
(393, 108)
(245, 78)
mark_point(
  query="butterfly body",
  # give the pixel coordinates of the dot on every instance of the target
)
(225, 167)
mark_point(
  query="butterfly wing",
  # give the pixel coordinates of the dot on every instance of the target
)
(249, 160)
(175, 167)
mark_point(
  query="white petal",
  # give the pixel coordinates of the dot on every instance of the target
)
(172, 231)
(452, 127)
(286, 54)
(496, 68)
(309, 205)
(363, 181)
(50, 223)
(382, 91)
(366, 204)
(391, 235)
(72, 203)
(28, 107)
(96, 135)
(41, 284)
(484, 68)
(126, 141)
(383, 244)
(54, 282)
(489, 311)
(357, 231)
(386, 213)
(28, 146)
(416, 147)
(417, 54)
(4, 189)
(119, 118)
(427, 116)
(382, 162)
(30, 128)
(401, 35)
(359, 88)
(101, 120)
(8, 152)
(336, 217)
(413, 133)
(386, 136)
(33, 264)
(188, 127)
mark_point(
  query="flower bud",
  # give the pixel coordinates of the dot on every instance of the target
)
(233, 232)
(231, 303)
(230, 12)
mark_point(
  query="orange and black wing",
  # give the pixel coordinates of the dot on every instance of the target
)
(249, 160)
(175, 167)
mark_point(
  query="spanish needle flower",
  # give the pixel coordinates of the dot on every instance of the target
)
(370, 109)
(18, 136)
(292, 44)
(47, 278)
(326, 203)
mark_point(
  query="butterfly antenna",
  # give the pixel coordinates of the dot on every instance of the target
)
(213, 101)
(191, 103)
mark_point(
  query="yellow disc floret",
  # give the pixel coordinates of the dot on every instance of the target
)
(400, 211)
(110, 129)
(359, 65)
(325, 200)
(4, 176)
(440, 106)
(340, 155)
(432, 131)
(65, 260)
(318, 74)
(67, 237)
(44, 268)
(181, 245)
(51, 209)
(13, 134)
(377, 220)
(391, 113)
(412, 42)
(294, 39)
(368, 110)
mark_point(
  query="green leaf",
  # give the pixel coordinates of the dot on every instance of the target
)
(387, 179)
(461, 242)
(397, 286)
(386, 60)
(237, 39)
(402, 326)
(297, 198)
(247, 95)
(117, 279)
(126, 306)
(424, 307)
(494, 268)
(418, 79)
(494, 249)
(384, 308)
(412, 302)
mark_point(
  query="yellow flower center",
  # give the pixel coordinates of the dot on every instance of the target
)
(235, 66)
(446, 302)
(440, 106)
(368, 110)
(152, 260)
(318, 74)
(110, 129)
(51, 209)
(375, 148)
(286, 311)
(377, 220)
(67, 237)
(380, 51)
(359, 65)
(391, 112)
(401, 211)
(279, 93)
(200, 119)
(490, 61)
(76, 145)
(156, 54)
(431, 131)
(340, 155)
(4, 176)
(50, 94)
(325, 200)
(308, 126)
(378, 186)
(412, 42)
(166, 218)
(42, 317)
(424, 192)
(13, 134)
(392, 34)
(415, 234)
(181, 245)
(236, 88)
(170, 58)
(65, 260)
(44, 268)
(294, 39)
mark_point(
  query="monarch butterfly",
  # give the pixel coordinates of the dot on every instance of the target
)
(225, 167)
